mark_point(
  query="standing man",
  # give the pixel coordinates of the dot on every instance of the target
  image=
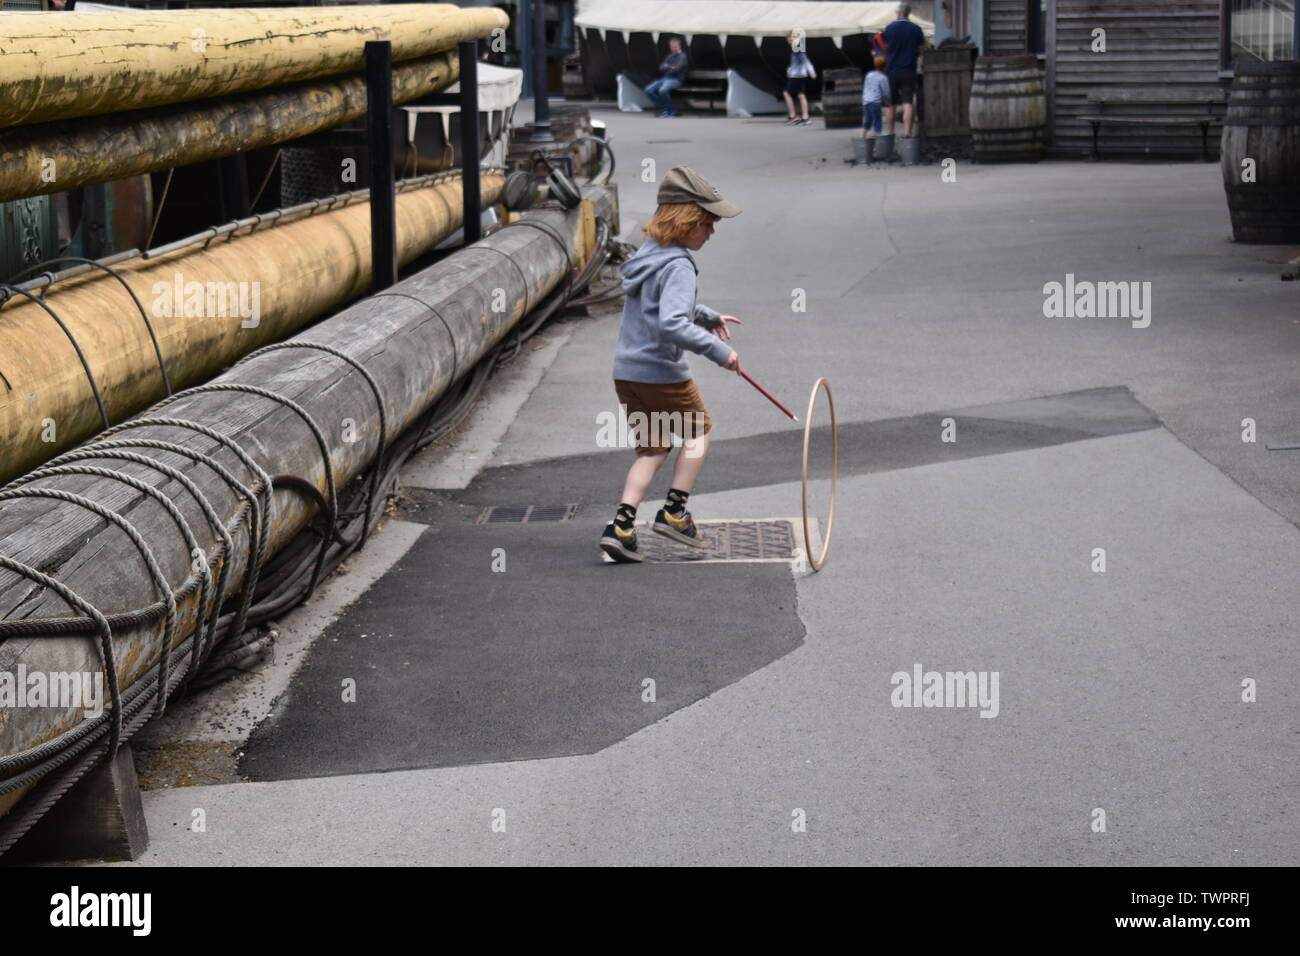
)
(904, 40)
(673, 72)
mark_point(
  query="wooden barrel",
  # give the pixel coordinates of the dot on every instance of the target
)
(1008, 109)
(576, 86)
(841, 97)
(1263, 126)
(568, 122)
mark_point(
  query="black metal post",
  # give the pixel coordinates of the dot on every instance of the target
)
(234, 187)
(95, 242)
(379, 131)
(541, 105)
(524, 38)
(471, 198)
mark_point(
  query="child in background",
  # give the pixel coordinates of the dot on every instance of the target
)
(797, 74)
(651, 376)
(875, 94)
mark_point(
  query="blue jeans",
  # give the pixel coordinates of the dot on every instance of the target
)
(871, 116)
(660, 91)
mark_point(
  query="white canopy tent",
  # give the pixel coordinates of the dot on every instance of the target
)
(756, 18)
(498, 93)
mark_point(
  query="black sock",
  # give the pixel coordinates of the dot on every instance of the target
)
(625, 517)
(675, 503)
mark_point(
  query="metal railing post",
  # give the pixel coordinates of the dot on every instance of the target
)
(471, 197)
(379, 131)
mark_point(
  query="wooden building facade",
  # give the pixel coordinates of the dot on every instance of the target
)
(1006, 24)
(1129, 58)
(1151, 48)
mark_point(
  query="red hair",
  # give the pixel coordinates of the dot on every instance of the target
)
(673, 223)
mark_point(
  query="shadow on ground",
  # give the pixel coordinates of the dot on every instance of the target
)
(454, 663)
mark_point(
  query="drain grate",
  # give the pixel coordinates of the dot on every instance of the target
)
(503, 514)
(758, 540)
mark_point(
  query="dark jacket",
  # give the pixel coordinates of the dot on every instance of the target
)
(674, 65)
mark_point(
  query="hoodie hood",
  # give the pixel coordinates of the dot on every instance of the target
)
(648, 260)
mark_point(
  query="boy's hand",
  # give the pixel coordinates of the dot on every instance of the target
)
(721, 331)
(732, 364)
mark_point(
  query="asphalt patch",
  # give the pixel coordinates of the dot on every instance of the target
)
(455, 663)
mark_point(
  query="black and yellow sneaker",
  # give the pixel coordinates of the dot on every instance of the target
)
(620, 544)
(680, 527)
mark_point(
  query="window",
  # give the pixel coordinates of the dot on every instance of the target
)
(1036, 26)
(1258, 30)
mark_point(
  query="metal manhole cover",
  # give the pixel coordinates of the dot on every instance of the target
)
(768, 539)
(522, 514)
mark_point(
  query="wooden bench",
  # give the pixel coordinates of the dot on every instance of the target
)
(708, 84)
(1149, 104)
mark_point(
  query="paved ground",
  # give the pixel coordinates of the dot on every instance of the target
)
(1118, 691)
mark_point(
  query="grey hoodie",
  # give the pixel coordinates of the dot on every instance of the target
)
(661, 317)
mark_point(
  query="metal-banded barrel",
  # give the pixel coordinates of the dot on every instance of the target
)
(568, 123)
(1260, 154)
(1008, 109)
(575, 83)
(29, 233)
(842, 97)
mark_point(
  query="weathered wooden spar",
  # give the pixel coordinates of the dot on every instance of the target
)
(414, 340)
(100, 149)
(200, 301)
(61, 65)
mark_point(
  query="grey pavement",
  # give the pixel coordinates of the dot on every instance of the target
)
(1119, 691)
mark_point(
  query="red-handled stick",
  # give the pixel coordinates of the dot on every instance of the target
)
(767, 395)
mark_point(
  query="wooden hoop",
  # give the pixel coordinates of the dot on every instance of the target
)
(835, 468)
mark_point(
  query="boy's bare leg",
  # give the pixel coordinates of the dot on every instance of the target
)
(789, 105)
(640, 475)
(689, 462)
(889, 120)
(803, 105)
(907, 119)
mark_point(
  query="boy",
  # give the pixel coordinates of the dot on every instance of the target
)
(651, 376)
(797, 75)
(875, 94)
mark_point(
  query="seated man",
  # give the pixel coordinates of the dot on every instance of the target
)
(673, 70)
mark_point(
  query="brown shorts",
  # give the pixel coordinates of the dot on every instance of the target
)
(656, 411)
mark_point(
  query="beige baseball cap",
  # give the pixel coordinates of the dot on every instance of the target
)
(683, 185)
